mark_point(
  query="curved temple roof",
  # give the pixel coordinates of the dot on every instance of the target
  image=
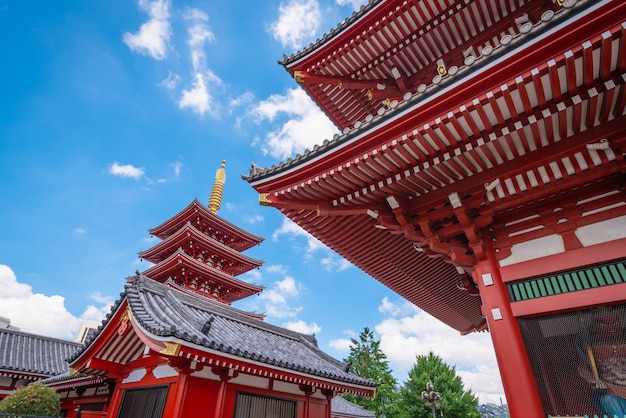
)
(169, 316)
(537, 115)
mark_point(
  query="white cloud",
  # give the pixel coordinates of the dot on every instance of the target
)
(252, 276)
(79, 231)
(335, 263)
(127, 170)
(306, 124)
(240, 100)
(276, 268)
(298, 22)
(355, 4)
(176, 175)
(251, 219)
(289, 286)
(277, 300)
(194, 14)
(197, 98)
(403, 338)
(46, 315)
(303, 327)
(394, 309)
(291, 229)
(176, 167)
(171, 81)
(153, 36)
(341, 344)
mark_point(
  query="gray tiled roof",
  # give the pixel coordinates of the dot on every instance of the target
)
(342, 407)
(21, 352)
(167, 312)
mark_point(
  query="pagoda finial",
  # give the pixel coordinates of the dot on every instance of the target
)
(218, 189)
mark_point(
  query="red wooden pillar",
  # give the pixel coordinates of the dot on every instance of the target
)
(221, 394)
(116, 398)
(329, 401)
(181, 392)
(517, 376)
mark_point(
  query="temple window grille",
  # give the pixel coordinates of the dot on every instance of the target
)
(571, 281)
(569, 352)
(143, 402)
(255, 406)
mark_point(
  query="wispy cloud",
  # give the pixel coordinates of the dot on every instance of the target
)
(291, 230)
(335, 263)
(153, 36)
(298, 22)
(126, 170)
(176, 167)
(341, 344)
(197, 97)
(355, 4)
(79, 231)
(276, 300)
(303, 327)
(252, 219)
(171, 81)
(299, 123)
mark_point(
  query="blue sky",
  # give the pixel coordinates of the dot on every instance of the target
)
(114, 116)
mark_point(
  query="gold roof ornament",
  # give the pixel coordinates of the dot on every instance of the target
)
(215, 200)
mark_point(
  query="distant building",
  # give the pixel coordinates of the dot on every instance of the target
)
(5, 323)
(26, 358)
(343, 408)
(86, 331)
(490, 410)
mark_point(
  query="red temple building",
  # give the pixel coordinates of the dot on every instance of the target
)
(480, 174)
(173, 346)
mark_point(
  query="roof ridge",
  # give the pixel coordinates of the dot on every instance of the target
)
(38, 336)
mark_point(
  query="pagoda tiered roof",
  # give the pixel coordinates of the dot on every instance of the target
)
(201, 278)
(509, 134)
(210, 224)
(202, 247)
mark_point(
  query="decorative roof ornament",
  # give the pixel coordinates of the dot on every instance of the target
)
(215, 200)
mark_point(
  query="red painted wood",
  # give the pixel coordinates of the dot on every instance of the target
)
(595, 254)
(515, 370)
(605, 295)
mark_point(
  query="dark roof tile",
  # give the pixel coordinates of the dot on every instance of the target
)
(34, 354)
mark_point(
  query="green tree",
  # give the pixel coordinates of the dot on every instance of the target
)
(455, 401)
(35, 399)
(368, 361)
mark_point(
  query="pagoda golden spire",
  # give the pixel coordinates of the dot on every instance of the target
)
(215, 200)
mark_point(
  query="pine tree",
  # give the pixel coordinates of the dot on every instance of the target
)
(455, 401)
(368, 361)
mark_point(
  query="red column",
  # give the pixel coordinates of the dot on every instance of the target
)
(517, 376)
(181, 393)
(221, 394)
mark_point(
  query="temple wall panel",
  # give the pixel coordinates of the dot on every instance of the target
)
(201, 398)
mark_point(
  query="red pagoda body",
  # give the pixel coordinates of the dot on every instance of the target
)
(480, 174)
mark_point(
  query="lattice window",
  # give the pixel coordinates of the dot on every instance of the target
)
(255, 406)
(579, 360)
(571, 281)
(143, 402)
